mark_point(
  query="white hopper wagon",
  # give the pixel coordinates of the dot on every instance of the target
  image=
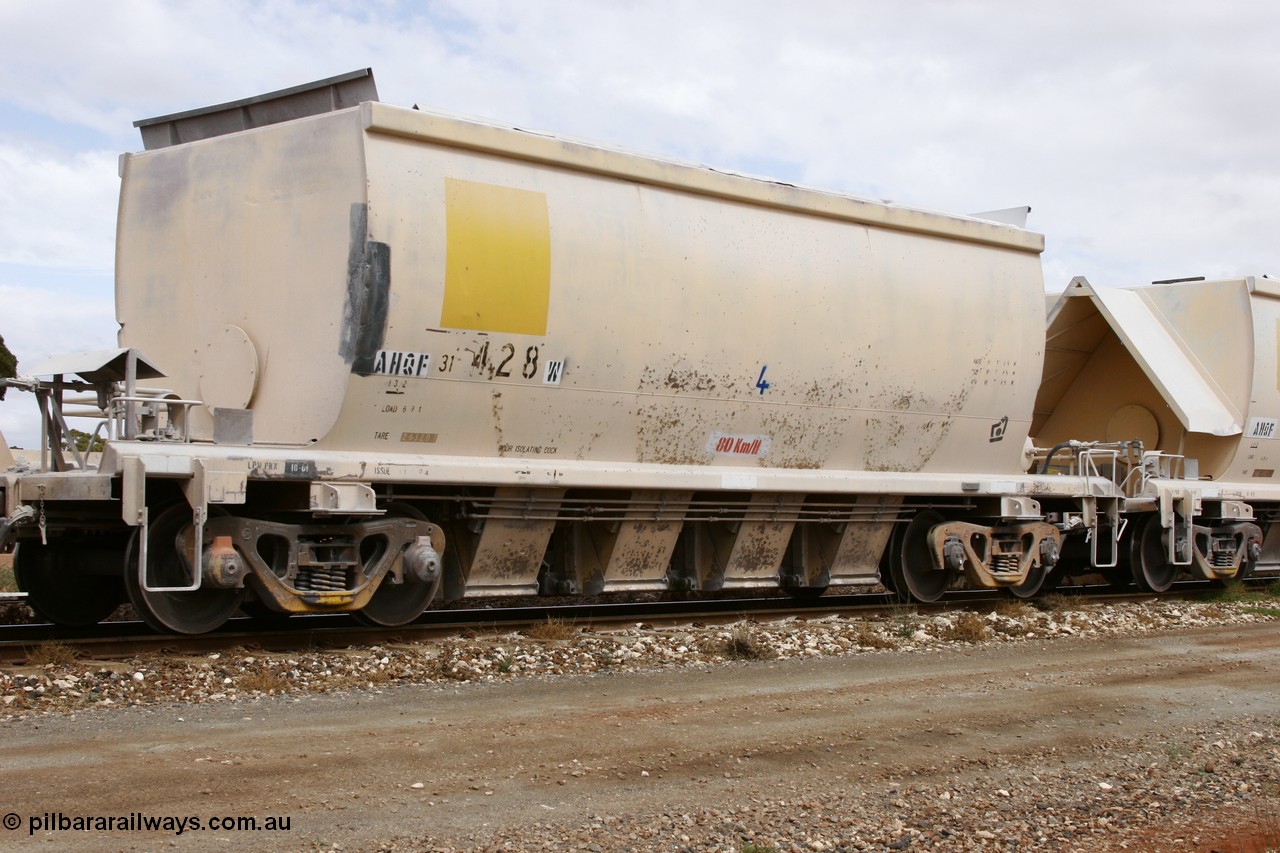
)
(372, 356)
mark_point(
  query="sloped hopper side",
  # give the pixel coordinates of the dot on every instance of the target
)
(1171, 365)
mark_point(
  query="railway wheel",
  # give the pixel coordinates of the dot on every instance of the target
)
(61, 584)
(399, 603)
(911, 568)
(194, 612)
(1032, 586)
(1149, 557)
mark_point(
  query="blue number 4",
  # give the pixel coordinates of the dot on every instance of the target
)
(760, 383)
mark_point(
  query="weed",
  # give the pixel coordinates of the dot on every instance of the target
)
(753, 847)
(506, 663)
(262, 680)
(1234, 591)
(378, 676)
(51, 652)
(1273, 612)
(446, 665)
(1214, 611)
(968, 628)
(1261, 836)
(870, 638)
(906, 622)
(552, 630)
(1176, 752)
(1054, 603)
(743, 644)
(1010, 629)
(1013, 608)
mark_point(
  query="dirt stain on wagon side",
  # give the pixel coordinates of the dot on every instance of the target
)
(671, 433)
(682, 378)
(496, 408)
(652, 547)
(759, 555)
(804, 439)
(907, 441)
(518, 563)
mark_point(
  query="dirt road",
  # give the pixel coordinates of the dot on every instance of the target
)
(1064, 744)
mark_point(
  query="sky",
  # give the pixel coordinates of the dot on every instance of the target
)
(1145, 136)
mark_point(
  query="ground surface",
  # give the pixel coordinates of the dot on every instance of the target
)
(1165, 741)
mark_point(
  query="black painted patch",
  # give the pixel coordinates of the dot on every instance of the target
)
(301, 468)
(364, 322)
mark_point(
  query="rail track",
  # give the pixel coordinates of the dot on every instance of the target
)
(125, 639)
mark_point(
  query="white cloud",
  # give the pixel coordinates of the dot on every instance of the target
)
(57, 209)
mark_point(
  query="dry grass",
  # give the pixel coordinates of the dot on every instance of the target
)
(1013, 608)
(1010, 629)
(968, 628)
(743, 644)
(552, 630)
(51, 652)
(446, 667)
(263, 681)
(870, 638)
(1259, 834)
(1055, 603)
(1215, 611)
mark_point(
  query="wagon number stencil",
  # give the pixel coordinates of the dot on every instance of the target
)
(502, 361)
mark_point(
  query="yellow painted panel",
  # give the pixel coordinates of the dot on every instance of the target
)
(498, 262)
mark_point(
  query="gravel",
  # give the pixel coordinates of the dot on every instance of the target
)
(556, 649)
(1211, 788)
